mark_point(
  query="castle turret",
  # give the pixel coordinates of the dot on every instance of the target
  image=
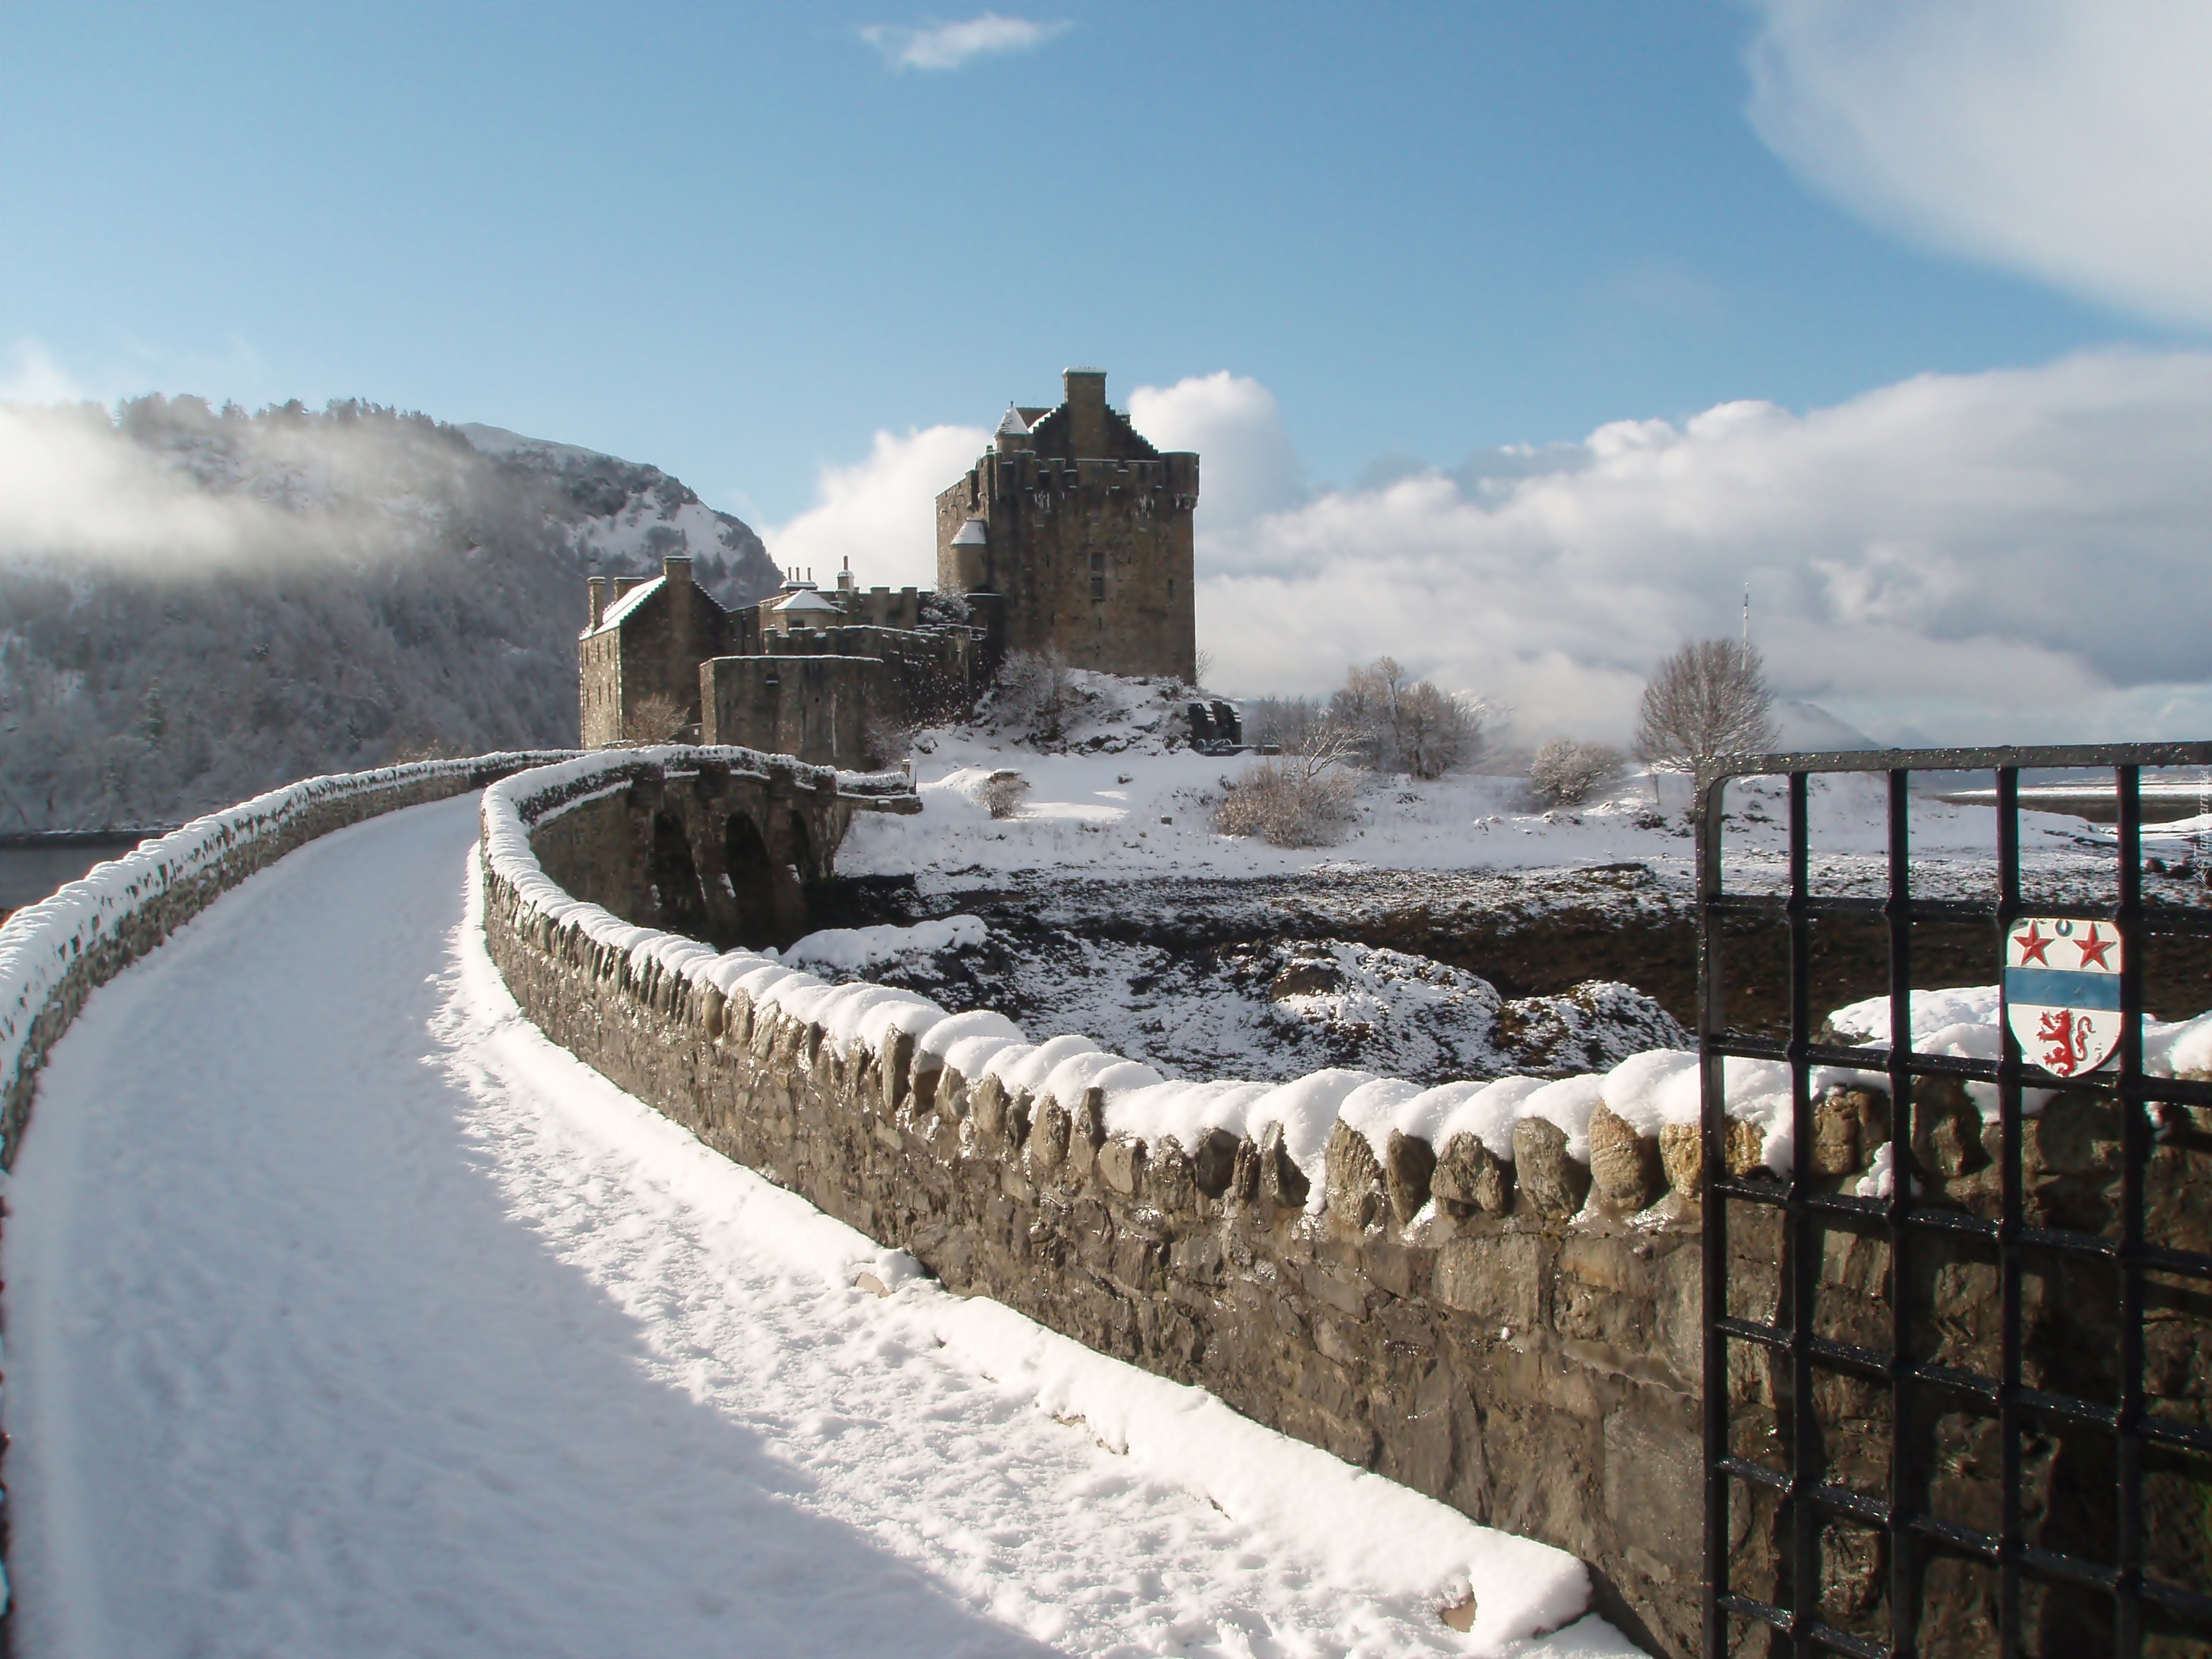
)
(971, 545)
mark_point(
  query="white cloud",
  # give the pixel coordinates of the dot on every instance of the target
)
(181, 488)
(70, 486)
(1246, 467)
(949, 46)
(2001, 556)
(37, 379)
(2068, 140)
(880, 513)
(2007, 556)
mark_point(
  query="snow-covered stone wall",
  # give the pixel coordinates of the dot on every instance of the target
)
(1510, 1326)
(1489, 1292)
(55, 953)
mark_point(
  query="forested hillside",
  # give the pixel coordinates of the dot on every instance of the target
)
(195, 604)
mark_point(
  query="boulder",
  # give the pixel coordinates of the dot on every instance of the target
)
(1682, 1156)
(1625, 1169)
(1120, 1165)
(1408, 1162)
(1553, 1183)
(1355, 1179)
(1468, 1173)
(1283, 1185)
(1213, 1162)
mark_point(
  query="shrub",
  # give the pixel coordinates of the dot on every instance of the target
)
(1564, 772)
(1036, 695)
(1274, 802)
(1003, 791)
(944, 609)
(883, 742)
(1302, 798)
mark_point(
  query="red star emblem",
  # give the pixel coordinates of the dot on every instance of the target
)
(2094, 949)
(2033, 945)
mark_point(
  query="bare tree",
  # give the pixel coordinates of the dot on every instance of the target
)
(1709, 698)
(1402, 725)
(1564, 772)
(1366, 707)
(655, 718)
(1281, 723)
(1436, 730)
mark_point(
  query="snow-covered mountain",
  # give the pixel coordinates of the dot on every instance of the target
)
(630, 516)
(197, 605)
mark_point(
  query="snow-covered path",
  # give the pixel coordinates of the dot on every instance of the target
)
(347, 1316)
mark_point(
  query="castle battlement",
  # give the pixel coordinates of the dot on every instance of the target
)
(1079, 532)
(1171, 478)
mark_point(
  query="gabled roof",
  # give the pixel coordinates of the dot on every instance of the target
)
(628, 602)
(1052, 437)
(807, 600)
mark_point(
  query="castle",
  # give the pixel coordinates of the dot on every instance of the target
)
(1079, 532)
(1071, 534)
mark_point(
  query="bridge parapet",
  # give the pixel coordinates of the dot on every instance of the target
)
(713, 842)
(57, 952)
(1489, 1292)
(1504, 1319)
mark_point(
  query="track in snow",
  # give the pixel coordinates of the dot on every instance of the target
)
(346, 1314)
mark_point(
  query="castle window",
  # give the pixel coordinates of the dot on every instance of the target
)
(1098, 559)
(1097, 589)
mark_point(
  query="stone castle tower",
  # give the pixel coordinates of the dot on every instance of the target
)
(1073, 531)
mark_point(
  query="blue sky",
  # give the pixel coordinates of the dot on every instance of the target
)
(736, 241)
(1900, 311)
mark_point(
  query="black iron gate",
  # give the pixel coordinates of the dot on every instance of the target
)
(1969, 1414)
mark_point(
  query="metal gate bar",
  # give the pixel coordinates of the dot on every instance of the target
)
(1810, 1498)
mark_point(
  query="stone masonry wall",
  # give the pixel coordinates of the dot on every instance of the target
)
(1519, 1337)
(1440, 1322)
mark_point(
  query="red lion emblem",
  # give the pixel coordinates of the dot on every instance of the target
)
(2068, 1038)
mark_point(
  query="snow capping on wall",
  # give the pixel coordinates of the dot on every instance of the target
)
(55, 953)
(1648, 1091)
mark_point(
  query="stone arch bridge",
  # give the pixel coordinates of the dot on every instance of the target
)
(716, 845)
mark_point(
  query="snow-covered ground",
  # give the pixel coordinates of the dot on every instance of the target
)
(347, 1314)
(1124, 796)
(1273, 1008)
(1106, 903)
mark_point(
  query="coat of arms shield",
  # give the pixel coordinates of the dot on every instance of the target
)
(2062, 992)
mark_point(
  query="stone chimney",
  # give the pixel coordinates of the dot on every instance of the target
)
(1086, 410)
(675, 568)
(598, 586)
